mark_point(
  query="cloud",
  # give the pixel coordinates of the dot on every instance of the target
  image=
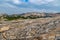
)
(12, 1)
(39, 2)
(55, 3)
(16, 1)
(18, 6)
(49, 0)
(19, 1)
(10, 8)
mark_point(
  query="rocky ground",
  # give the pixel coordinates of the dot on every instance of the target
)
(31, 29)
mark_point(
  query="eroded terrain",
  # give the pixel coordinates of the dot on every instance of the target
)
(31, 29)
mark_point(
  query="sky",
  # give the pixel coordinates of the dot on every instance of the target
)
(22, 6)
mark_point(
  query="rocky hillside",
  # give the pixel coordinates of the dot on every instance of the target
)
(31, 29)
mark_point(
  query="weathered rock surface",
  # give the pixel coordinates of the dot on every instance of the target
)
(35, 29)
(2, 29)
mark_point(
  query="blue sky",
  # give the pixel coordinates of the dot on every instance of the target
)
(21, 6)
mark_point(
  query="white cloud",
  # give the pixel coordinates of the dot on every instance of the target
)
(13, 8)
(49, 0)
(55, 3)
(39, 2)
(16, 1)
(13, 1)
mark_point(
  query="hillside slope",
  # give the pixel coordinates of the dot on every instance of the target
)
(31, 29)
